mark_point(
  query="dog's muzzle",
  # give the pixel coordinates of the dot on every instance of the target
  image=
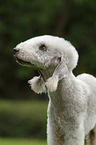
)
(19, 60)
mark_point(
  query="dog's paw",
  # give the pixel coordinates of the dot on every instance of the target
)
(37, 85)
(52, 83)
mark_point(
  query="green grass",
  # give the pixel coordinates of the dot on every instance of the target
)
(23, 106)
(12, 141)
(23, 118)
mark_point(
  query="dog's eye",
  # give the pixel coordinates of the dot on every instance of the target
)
(43, 47)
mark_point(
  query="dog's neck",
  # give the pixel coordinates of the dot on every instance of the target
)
(63, 90)
(45, 74)
(65, 82)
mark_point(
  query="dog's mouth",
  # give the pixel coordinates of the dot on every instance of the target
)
(24, 63)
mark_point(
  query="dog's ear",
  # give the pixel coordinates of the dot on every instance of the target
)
(60, 72)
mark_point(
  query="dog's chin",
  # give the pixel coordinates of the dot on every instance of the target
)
(28, 64)
(24, 63)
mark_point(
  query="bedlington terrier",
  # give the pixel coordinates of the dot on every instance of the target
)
(72, 100)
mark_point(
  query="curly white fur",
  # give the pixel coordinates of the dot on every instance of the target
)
(37, 85)
(72, 100)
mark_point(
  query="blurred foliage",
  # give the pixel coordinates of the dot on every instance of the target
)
(23, 119)
(74, 20)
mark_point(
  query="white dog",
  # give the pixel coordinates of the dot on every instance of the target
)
(72, 100)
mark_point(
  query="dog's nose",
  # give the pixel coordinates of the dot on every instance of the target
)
(15, 50)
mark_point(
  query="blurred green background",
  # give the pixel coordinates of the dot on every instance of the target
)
(22, 112)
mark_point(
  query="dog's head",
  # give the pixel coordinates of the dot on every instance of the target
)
(45, 52)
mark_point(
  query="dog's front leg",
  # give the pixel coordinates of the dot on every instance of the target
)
(75, 138)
